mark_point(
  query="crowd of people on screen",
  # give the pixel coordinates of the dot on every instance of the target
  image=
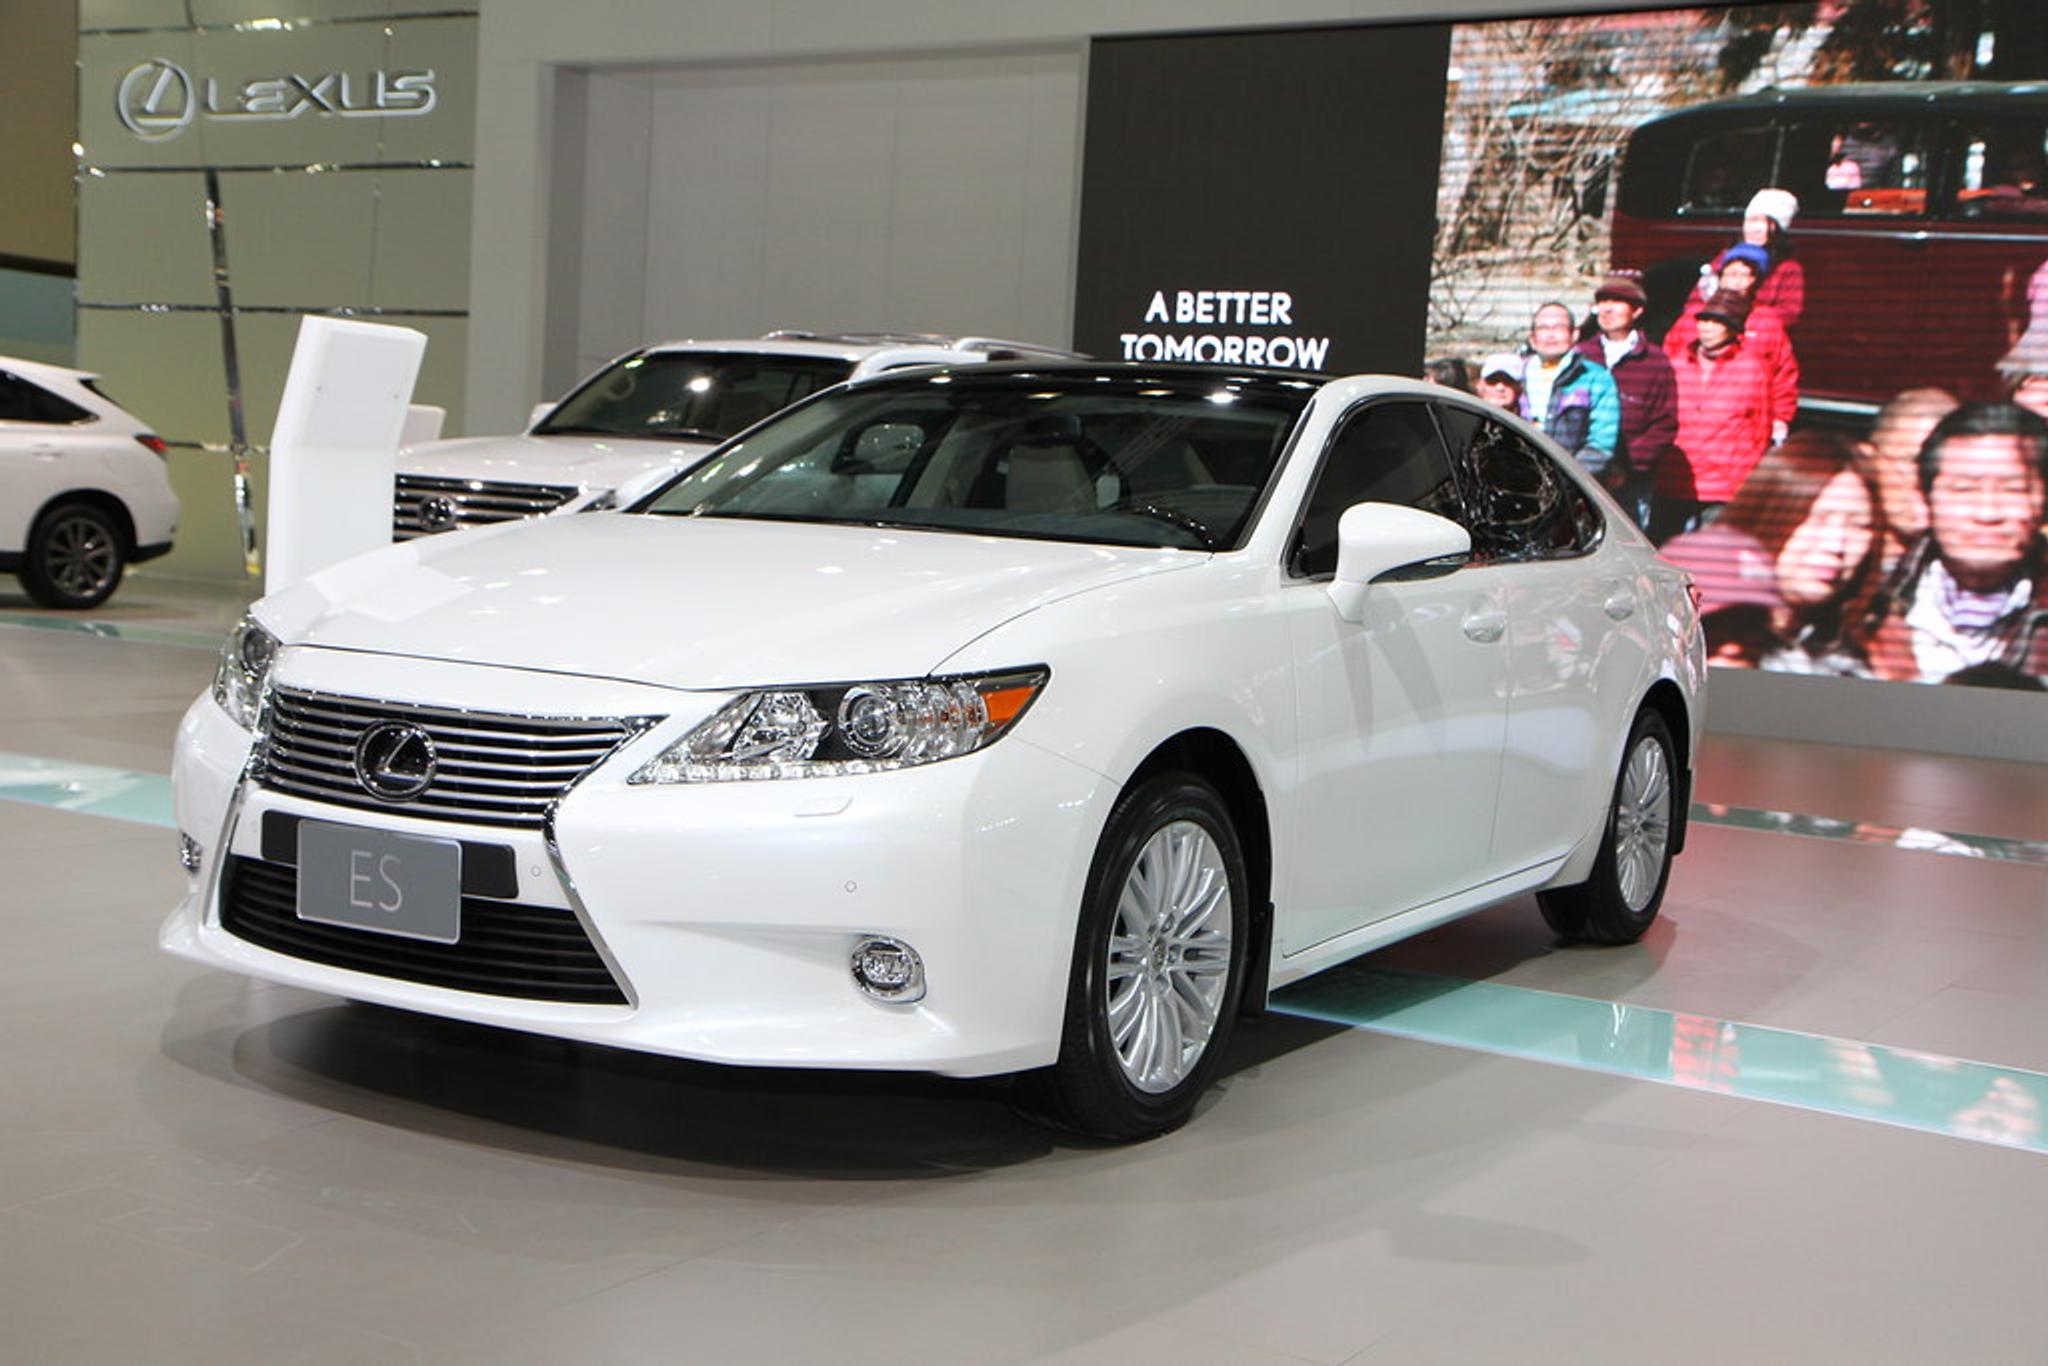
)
(1918, 552)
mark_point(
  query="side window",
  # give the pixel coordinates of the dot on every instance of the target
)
(1873, 166)
(1999, 170)
(1522, 506)
(1725, 168)
(1383, 453)
(21, 401)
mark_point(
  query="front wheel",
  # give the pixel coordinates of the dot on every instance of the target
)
(1158, 966)
(1616, 904)
(75, 557)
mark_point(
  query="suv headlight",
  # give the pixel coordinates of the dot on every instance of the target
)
(245, 659)
(846, 729)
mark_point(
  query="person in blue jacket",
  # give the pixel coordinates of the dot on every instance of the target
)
(1570, 397)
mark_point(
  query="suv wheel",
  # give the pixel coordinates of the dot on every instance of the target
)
(75, 557)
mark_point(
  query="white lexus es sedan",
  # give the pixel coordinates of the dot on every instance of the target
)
(1002, 719)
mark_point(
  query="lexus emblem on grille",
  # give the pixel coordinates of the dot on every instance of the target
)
(395, 760)
(437, 514)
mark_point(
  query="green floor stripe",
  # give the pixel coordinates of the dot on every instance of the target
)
(1919, 840)
(144, 798)
(1912, 1090)
(115, 630)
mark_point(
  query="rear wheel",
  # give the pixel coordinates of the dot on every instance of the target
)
(1616, 904)
(1158, 965)
(75, 557)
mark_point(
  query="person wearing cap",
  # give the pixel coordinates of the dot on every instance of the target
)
(1767, 223)
(1500, 381)
(1570, 399)
(1743, 268)
(1724, 421)
(1645, 384)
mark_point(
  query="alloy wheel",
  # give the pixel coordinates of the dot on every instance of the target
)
(1169, 956)
(81, 557)
(1642, 823)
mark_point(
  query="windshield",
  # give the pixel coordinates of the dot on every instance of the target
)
(1139, 460)
(704, 394)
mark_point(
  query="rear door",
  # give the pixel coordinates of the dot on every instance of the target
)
(1574, 645)
(1864, 182)
(1991, 238)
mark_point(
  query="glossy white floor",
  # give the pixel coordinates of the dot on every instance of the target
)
(195, 1168)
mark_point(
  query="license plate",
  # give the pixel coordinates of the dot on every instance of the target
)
(365, 879)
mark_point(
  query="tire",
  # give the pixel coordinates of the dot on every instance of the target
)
(1129, 1065)
(1616, 904)
(76, 555)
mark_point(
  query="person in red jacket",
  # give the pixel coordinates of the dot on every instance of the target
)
(1767, 223)
(1649, 391)
(1744, 268)
(1724, 422)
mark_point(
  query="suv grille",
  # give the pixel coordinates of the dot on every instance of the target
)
(490, 769)
(535, 953)
(424, 504)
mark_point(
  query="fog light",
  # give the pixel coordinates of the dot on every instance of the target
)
(189, 852)
(888, 970)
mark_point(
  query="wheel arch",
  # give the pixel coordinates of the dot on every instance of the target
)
(1665, 698)
(1215, 757)
(111, 504)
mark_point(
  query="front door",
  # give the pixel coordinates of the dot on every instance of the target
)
(1401, 715)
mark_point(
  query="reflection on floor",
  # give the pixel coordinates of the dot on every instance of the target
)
(198, 1168)
(1939, 1095)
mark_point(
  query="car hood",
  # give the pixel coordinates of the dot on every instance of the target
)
(589, 462)
(694, 602)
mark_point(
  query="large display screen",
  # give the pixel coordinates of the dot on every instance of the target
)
(1779, 275)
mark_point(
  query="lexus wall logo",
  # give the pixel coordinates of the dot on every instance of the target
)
(395, 760)
(158, 99)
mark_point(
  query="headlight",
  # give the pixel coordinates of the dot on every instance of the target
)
(846, 729)
(245, 660)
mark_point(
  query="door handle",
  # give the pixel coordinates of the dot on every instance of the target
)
(44, 452)
(1485, 622)
(1620, 604)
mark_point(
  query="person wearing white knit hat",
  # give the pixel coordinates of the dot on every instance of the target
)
(1767, 223)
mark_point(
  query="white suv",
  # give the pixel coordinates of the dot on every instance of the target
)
(83, 490)
(650, 414)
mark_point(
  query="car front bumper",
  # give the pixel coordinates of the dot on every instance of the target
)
(727, 912)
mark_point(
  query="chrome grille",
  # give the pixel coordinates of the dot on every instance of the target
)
(492, 769)
(467, 502)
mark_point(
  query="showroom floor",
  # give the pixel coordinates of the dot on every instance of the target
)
(1800, 1122)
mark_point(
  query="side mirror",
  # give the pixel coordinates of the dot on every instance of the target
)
(540, 410)
(1383, 540)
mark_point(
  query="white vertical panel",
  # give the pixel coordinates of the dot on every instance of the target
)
(910, 193)
(336, 442)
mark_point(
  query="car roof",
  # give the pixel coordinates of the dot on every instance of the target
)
(852, 346)
(43, 370)
(1891, 96)
(1173, 372)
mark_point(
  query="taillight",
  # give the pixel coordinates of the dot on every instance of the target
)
(157, 445)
